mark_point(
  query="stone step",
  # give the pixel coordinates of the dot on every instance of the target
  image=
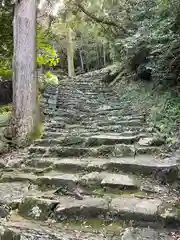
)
(117, 150)
(93, 180)
(20, 228)
(146, 165)
(70, 124)
(114, 122)
(108, 139)
(53, 133)
(97, 140)
(118, 208)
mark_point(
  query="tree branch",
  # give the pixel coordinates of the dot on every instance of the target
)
(96, 19)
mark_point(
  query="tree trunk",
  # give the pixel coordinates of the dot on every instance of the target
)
(25, 114)
(97, 57)
(81, 59)
(70, 54)
(104, 55)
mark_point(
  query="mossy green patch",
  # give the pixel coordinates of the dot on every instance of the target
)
(4, 119)
(5, 109)
(114, 192)
(109, 225)
(36, 133)
(6, 73)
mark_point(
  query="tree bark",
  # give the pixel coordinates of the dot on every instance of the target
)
(96, 19)
(70, 54)
(25, 113)
(81, 59)
(104, 54)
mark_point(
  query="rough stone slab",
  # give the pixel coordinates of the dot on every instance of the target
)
(60, 151)
(62, 164)
(108, 139)
(61, 141)
(145, 164)
(12, 193)
(117, 150)
(86, 208)
(112, 180)
(148, 150)
(145, 234)
(170, 213)
(41, 162)
(97, 164)
(124, 150)
(71, 164)
(132, 122)
(151, 141)
(49, 134)
(69, 151)
(38, 149)
(17, 177)
(119, 181)
(57, 179)
(135, 208)
(93, 178)
(37, 208)
(27, 230)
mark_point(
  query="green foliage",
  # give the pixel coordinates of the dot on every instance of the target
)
(46, 79)
(36, 133)
(6, 30)
(5, 109)
(5, 73)
(168, 114)
(51, 78)
(46, 53)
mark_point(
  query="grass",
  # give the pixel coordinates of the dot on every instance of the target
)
(162, 107)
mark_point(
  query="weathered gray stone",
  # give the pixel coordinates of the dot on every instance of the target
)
(12, 193)
(16, 176)
(170, 213)
(119, 181)
(57, 179)
(151, 141)
(4, 212)
(25, 230)
(145, 234)
(97, 164)
(108, 139)
(86, 208)
(93, 178)
(40, 162)
(69, 151)
(123, 150)
(148, 150)
(71, 164)
(135, 208)
(38, 149)
(141, 164)
(37, 208)
(63, 141)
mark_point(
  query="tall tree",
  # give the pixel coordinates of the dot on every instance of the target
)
(70, 54)
(25, 114)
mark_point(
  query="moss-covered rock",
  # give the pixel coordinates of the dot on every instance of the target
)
(36, 208)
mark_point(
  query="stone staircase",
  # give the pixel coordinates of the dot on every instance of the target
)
(95, 174)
